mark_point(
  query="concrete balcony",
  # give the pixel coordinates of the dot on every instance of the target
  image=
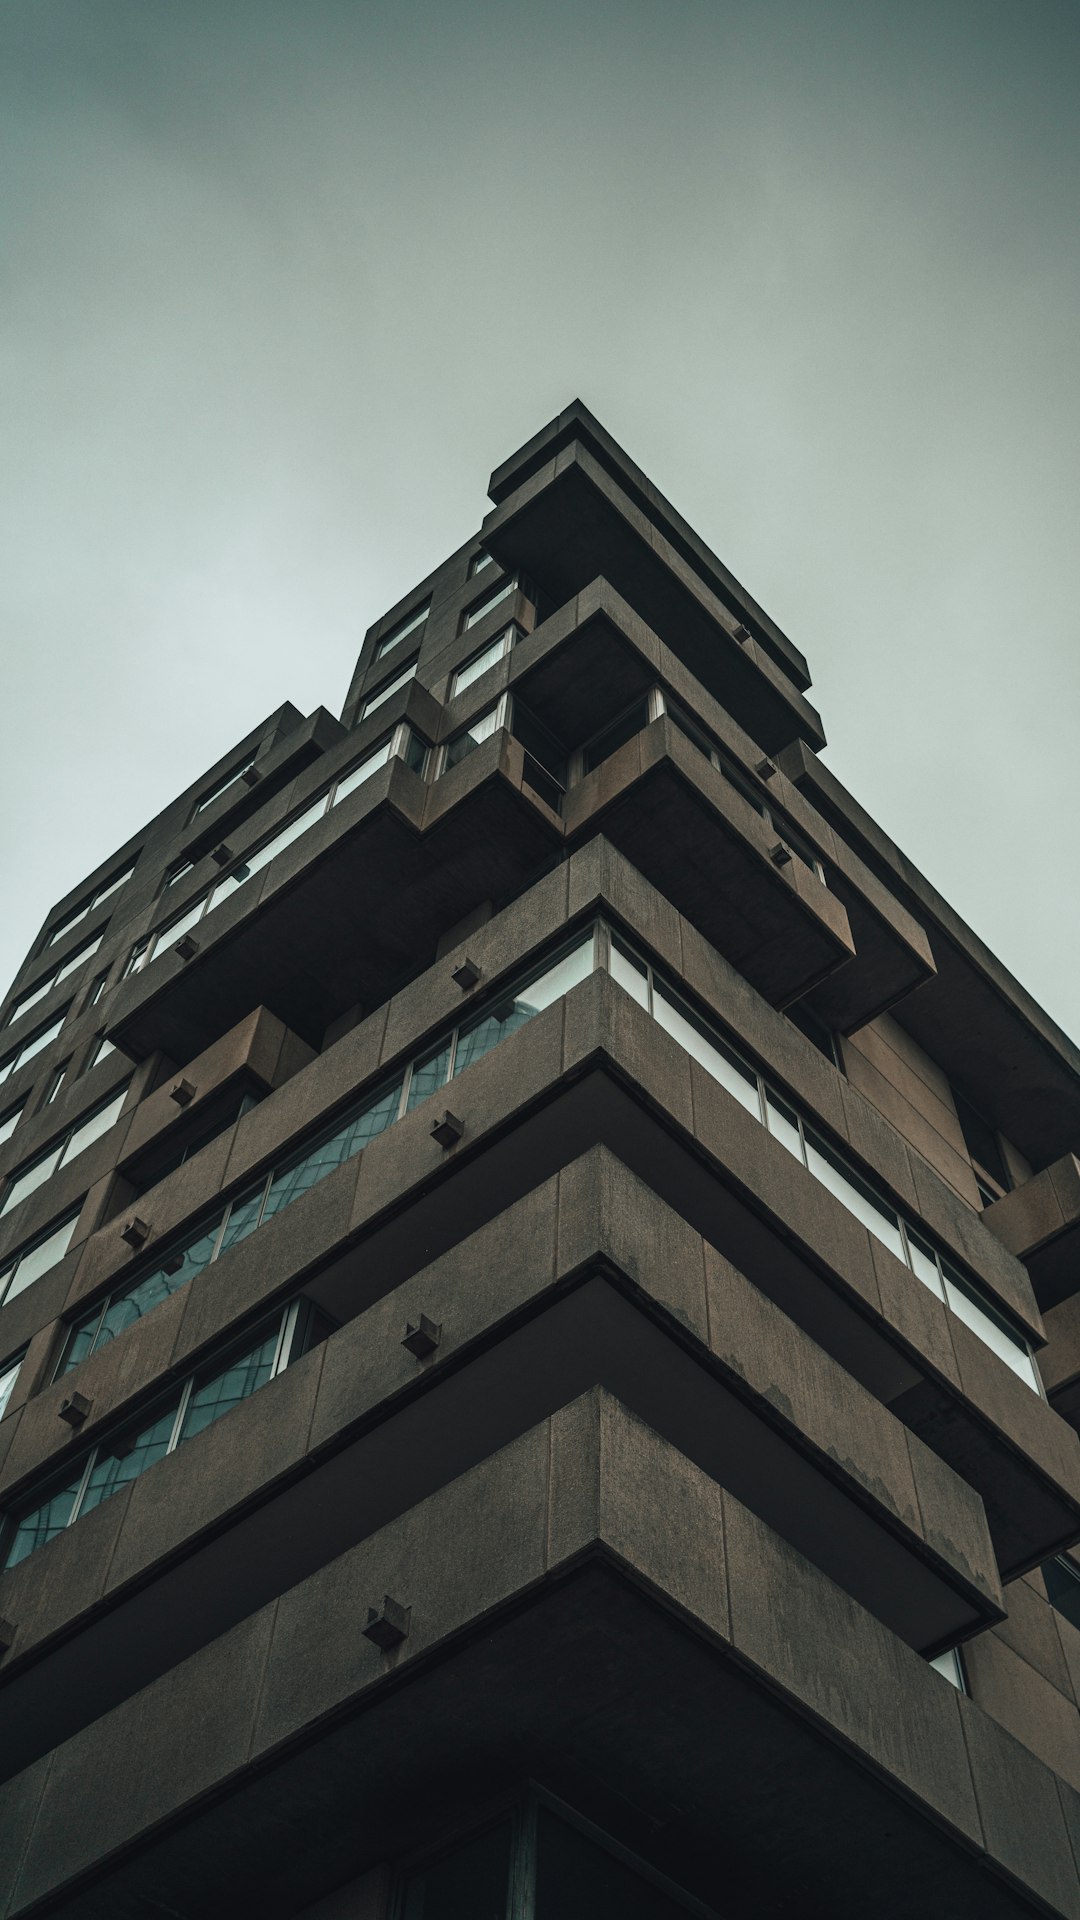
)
(603, 1286)
(380, 875)
(1040, 1223)
(974, 1020)
(571, 520)
(698, 837)
(532, 1582)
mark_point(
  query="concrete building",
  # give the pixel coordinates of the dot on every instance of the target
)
(540, 1321)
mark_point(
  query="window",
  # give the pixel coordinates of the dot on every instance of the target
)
(10, 1120)
(402, 743)
(604, 744)
(71, 964)
(97, 988)
(815, 1030)
(100, 1051)
(1062, 1578)
(478, 562)
(56, 1083)
(31, 1046)
(480, 612)
(984, 1149)
(254, 1205)
(176, 873)
(402, 631)
(36, 1257)
(73, 918)
(389, 688)
(463, 743)
(204, 1398)
(950, 1665)
(27, 1179)
(487, 657)
(223, 786)
(854, 1191)
(9, 1373)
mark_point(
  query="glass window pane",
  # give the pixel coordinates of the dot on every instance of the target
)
(111, 1471)
(706, 1048)
(428, 1076)
(480, 663)
(948, 1665)
(112, 885)
(80, 1342)
(481, 612)
(8, 1377)
(1063, 1588)
(783, 1123)
(31, 1178)
(224, 785)
(924, 1263)
(416, 751)
(94, 1126)
(463, 743)
(629, 971)
(321, 1160)
(350, 781)
(31, 1265)
(402, 631)
(173, 930)
(688, 725)
(477, 1039)
(225, 1390)
(558, 979)
(33, 1045)
(470, 1884)
(31, 999)
(43, 1523)
(72, 920)
(77, 959)
(10, 1121)
(243, 1218)
(616, 736)
(855, 1194)
(384, 693)
(991, 1330)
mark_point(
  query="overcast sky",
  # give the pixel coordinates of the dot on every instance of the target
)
(282, 282)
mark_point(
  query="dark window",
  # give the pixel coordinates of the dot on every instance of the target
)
(1063, 1586)
(982, 1144)
(472, 1883)
(822, 1036)
(603, 745)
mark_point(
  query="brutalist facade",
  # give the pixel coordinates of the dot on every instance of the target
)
(540, 1317)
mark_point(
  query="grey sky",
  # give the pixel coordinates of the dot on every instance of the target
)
(282, 282)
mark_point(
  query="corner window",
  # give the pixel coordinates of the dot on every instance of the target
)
(411, 623)
(462, 744)
(951, 1668)
(478, 562)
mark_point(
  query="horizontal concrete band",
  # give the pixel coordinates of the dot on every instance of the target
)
(359, 1430)
(594, 1068)
(598, 876)
(582, 1522)
(570, 520)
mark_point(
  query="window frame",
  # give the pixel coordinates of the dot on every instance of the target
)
(223, 786)
(411, 623)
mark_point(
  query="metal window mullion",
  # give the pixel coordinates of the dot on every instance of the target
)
(266, 1195)
(655, 707)
(181, 1414)
(403, 1100)
(451, 1064)
(802, 1138)
(215, 1249)
(907, 1249)
(91, 1461)
(285, 1339)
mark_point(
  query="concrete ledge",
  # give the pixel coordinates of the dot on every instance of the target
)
(532, 1584)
